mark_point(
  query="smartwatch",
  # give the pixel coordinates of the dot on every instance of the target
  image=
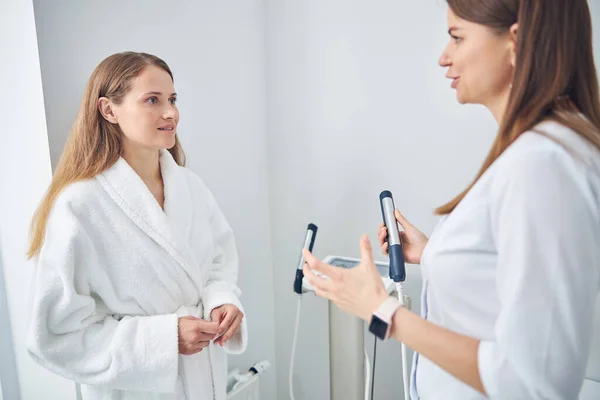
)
(381, 321)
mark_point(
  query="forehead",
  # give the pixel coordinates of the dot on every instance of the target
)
(478, 31)
(153, 79)
(452, 18)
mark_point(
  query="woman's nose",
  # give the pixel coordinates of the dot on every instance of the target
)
(445, 59)
(170, 112)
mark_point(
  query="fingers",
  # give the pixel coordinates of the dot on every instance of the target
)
(319, 283)
(198, 347)
(366, 252)
(193, 348)
(324, 294)
(217, 314)
(320, 266)
(232, 330)
(203, 336)
(227, 321)
(401, 219)
(207, 327)
(382, 234)
(195, 334)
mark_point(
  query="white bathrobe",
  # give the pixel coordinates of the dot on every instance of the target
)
(116, 272)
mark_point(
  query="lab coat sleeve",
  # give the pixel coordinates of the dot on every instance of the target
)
(69, 336)
(221, 286)
(545, 226)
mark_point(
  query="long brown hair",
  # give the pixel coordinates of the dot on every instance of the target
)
(95, 144)
(555, 76)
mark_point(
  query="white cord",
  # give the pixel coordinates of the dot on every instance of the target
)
(405, 373)
(405, 381)
(294, 349)
(367, 374)
(400, 291)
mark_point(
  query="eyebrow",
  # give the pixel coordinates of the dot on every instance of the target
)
(452, 29)
(159, 93)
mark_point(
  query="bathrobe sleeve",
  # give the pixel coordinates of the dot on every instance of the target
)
(68, 334)
(545, 225)
(221, 286)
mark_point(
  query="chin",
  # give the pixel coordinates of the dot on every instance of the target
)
(461, 98)
(168, 143)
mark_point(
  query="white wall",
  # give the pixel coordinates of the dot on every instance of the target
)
(24, 176)
(216, 52)
(358, 104)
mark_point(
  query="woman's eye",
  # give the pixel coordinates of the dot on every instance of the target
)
(173, 100)
(153, 100)
(456, 39)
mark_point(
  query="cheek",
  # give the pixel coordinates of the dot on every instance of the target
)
(138, 122)
(150, 116)
(127, 123)
(145, 120)
(499, 71)
(485, 70)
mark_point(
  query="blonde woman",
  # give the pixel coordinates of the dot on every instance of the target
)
(135, 291)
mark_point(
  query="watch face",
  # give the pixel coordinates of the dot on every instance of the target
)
(378, 327)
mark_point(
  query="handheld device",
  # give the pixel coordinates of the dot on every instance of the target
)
(309, 242)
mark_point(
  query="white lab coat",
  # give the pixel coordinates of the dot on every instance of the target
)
(517, 265)
(116, 272)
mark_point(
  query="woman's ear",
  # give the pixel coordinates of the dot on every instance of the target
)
(513, 44)
(106, 109)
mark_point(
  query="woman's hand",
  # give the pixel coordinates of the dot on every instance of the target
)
(358, 291)
(229, 318)
(195, 334)
(413, 240)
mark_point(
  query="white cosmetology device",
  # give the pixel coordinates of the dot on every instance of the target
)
(348, 356)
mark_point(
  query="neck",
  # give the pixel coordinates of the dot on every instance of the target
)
(498, 106)
(144, 162)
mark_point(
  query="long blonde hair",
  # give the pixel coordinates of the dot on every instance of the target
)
(555, 76)
(94, 144)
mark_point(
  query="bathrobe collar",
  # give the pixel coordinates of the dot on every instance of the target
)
(168, 228)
